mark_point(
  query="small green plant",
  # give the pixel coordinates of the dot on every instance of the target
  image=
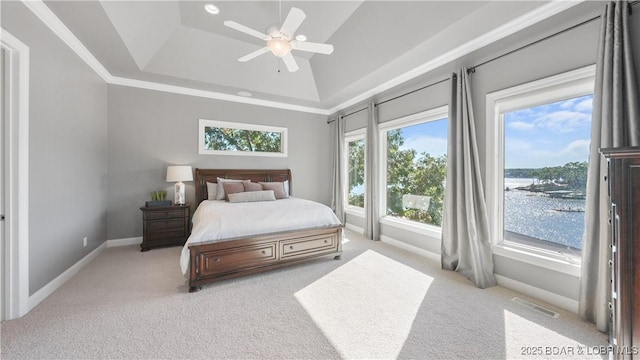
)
(158, 195)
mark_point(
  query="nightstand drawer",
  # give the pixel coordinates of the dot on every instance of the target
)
(166, 224)
(163, 214)
(167, 234)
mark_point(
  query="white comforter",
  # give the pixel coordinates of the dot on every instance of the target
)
(216, 220)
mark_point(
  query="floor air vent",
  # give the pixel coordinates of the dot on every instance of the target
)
(536, 307)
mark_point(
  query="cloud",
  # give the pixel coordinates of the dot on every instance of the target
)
(424, 143)
(563, 121)
(568, 104)
(585, 106)
(520, 125)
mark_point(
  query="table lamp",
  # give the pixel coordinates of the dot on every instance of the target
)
(179, 174)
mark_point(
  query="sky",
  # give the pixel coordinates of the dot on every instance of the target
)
(548, 135)
(541, 136)
(429, 137)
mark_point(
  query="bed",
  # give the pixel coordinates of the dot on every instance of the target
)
(216, 251)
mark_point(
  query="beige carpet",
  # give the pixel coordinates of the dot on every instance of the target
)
(377, 302)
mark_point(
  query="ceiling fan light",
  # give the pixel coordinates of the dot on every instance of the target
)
(212, 9)
(279, 47)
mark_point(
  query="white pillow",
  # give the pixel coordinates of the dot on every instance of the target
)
(212, 191)
(286, 188)
(250, 196)
(221, 195)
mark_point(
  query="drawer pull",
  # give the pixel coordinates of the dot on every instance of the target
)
(264, 252)
(291, 247)
(610, 263)
(326, 241)
(216, 260)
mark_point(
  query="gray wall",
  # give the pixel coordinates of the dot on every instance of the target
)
(67, 150)
(571, 50)
(149, 130)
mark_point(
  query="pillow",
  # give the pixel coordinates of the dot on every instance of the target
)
(232, 188)
(249, 186)
(212, 191)
(250, 196)
(221, 194)
(277, 187)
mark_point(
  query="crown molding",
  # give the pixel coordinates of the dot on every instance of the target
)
(545, 11)
(42, 11)
(539, 14)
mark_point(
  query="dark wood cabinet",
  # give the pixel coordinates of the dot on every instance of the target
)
(624, 192)
(165, 226)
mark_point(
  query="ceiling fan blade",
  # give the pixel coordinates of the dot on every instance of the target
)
(254, 54)
(312, 47)
(247, 30)
(290, 62)
(292, 22)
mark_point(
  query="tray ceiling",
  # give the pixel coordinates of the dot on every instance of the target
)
(375, 42)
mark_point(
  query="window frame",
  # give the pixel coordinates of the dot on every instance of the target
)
(204, 123)
(571, 84)
(354, 135)
(434, 114)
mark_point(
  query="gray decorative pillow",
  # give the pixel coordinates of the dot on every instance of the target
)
(251, 196)
(212, 190)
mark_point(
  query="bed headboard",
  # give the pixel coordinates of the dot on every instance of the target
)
(203, 176)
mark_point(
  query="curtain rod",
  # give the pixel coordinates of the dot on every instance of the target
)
(396, 97)
(472, 69)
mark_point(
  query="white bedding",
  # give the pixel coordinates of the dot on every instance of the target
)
(216, 220)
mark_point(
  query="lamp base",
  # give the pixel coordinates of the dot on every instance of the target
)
(179, 197)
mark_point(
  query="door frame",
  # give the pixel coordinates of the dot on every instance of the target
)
(16, 250)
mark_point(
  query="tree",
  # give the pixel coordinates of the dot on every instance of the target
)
(406, 175)
(356, 172)
(217, 138)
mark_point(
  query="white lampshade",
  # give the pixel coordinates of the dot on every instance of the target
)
(179, 173)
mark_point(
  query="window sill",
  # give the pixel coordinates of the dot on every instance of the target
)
(354, 211)
(548, 260)
(422, 229)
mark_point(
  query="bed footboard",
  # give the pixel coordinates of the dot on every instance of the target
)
(210, 262)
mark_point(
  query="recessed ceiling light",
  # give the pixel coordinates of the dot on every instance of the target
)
(212, 9)
(244, 93)
(301, 37)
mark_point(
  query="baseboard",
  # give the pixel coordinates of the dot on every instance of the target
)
(535, 292)
(56, 283)
(354, 228)
(411, 248)
(124, 242)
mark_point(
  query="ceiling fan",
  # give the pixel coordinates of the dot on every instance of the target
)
(281, 41)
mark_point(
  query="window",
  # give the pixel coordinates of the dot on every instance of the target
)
(414, 158)
(227, 138)
(539, 137)
(355, 168)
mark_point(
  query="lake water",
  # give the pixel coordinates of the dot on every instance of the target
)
(536, 215)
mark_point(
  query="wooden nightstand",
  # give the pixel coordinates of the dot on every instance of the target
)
(165, 226)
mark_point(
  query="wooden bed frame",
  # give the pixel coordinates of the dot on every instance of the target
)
(213, 261)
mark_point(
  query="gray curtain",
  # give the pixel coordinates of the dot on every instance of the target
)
(371, 204)
(338, 183)
(615, 123)
(466, 247)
